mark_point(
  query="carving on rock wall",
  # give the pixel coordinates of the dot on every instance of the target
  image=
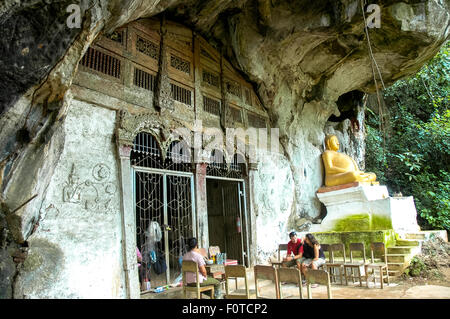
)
(128, 126)
(72, 189)
(49, 213)
(101, 172)
(92, 195)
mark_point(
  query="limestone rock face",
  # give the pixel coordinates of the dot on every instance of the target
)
(78, 218)
(302, 56)
(274, 196)
(305, 56)
(41, 269)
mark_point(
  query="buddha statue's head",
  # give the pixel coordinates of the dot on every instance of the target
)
(332, 143)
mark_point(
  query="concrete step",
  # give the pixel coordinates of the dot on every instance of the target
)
(398, 258)
(395, 273)
(407, 242)
(396, 266)
(420, 236)
(393, 277)
(400, 249)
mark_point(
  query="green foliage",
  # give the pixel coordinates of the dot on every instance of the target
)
(416, 267)
(413, 156)
(422, 266)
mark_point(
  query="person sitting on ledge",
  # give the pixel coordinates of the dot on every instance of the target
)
(341, 168)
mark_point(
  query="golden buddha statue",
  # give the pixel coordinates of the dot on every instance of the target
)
(341, 168)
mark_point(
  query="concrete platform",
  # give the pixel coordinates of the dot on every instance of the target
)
(360, 207)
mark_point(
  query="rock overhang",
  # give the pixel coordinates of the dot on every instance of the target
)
(302, 57)
(299, 42)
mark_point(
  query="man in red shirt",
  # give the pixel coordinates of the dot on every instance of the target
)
(295, 248)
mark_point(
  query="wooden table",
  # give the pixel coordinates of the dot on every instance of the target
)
(215, 270)
(218, 272)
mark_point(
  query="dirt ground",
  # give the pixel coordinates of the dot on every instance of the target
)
(405, 289)
(431, 280)
(415, 288)
(410, 288)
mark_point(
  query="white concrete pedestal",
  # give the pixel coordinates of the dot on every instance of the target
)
(364, 208)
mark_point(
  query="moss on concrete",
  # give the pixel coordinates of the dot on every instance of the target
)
(366, 237)
(381, 223)
(354, 223)
(362, 222)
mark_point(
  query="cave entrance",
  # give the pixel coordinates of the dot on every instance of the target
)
(348, 104)
(227, 208)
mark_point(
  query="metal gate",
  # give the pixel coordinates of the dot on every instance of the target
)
(233, 221)
(227, 209)
(165, 218)
(165, 211)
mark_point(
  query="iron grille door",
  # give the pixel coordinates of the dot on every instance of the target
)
(149, 207)
(232, 215)
(227, 210)
(165, 217)
(180, 219)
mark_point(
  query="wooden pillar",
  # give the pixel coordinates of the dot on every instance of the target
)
(163, 97)
(224, 110)
(198, 98)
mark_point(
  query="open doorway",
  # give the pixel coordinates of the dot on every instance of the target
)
(227, 218)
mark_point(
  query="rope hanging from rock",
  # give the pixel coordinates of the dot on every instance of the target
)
(374, 62)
